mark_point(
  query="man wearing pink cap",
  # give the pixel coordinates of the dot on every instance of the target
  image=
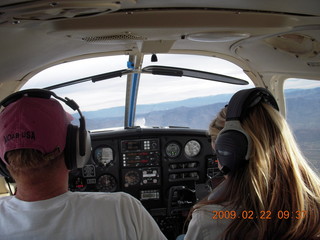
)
(33, 142)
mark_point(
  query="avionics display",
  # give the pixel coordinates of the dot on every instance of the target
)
(140, 152)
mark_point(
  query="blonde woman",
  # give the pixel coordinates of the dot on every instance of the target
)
(269, 191)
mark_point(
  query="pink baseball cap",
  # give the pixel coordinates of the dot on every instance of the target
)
(33, 123)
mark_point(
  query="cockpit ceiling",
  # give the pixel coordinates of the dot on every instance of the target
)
(250, 33)
(49, 10)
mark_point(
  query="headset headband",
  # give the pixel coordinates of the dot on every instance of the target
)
(245, 99)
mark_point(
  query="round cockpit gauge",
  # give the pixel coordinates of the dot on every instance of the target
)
(107, 183)
(103, 156)
(131, 178)
(173, 150)
(192, 148)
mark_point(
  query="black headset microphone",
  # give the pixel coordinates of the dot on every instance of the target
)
(78, 143)
(233, 144)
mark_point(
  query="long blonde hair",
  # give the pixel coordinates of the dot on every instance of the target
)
(280, 179)
(277, 183)
(217, 124)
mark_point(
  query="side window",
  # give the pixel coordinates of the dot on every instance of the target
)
(302, 98)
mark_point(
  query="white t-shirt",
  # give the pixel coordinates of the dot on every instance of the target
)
(202, 225)
(78, 216)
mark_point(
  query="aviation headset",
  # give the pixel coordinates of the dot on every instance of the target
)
(233, 144)
(78, 143)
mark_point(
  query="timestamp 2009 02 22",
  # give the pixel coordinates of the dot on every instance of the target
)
(266, 215)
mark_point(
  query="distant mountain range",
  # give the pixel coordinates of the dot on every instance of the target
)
(302, 106)
(303, 115)
(147, 108)
(197, 112)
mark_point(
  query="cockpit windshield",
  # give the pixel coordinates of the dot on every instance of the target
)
(164, 98)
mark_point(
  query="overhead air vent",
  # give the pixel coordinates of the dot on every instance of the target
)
(117, 38)
(297, 44)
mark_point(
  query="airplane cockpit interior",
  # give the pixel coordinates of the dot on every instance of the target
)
(149, 76)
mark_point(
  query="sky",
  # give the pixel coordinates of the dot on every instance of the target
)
(152, 89)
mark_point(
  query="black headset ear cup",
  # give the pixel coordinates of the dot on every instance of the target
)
(231, 149)
(71, 147)
(3, 170)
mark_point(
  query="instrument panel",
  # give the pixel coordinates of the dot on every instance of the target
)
(166, 169)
